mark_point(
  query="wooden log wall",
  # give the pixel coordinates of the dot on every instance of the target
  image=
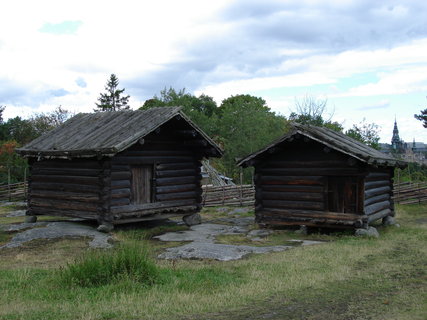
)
(66, 188)
(175, 177)
(292, 184)
(378, 201)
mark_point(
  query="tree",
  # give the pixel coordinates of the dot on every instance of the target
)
(368, 133)
(422, 117)
(112, 100)
(245, 124)
(16, 132)
(1, 113)
(200, 109)
(311, 111)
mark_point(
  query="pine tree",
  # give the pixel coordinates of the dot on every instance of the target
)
(112, 100)
(422, 117)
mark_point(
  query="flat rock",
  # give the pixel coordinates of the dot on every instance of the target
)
(243, 221)
(22, 226)
(221, 252)
(55, 230)
(202, 233)
(16, 213)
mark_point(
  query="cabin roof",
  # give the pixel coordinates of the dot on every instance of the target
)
(106, 133)
(334, 140)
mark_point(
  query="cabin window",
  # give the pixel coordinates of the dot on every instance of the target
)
(343, 194)
(142, 184)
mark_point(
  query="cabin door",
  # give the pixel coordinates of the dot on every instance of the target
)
(343, 194)
(142, 178)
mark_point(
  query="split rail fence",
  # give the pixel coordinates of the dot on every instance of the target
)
(239, 195)
(235, 195)
(13, 191)
(410, 192)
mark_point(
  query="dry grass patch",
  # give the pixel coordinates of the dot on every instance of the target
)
(347, 278)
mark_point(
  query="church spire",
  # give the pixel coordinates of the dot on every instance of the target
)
(396, 143)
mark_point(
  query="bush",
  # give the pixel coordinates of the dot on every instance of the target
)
(97, 268)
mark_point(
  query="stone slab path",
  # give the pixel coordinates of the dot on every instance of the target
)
(55, 230)
(202, 239)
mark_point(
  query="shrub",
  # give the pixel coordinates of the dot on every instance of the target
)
(126, 262)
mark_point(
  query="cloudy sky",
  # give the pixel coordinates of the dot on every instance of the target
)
(368, 58)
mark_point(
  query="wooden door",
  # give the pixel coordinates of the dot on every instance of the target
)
(142, 184)
(343, 194)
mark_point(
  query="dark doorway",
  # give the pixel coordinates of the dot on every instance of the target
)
(343, 194)
(142, 184)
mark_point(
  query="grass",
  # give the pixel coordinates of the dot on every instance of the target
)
(127, 262)
(345, 278)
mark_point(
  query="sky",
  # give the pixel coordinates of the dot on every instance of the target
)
(367, 58)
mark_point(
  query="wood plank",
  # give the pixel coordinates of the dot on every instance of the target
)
(63, 213)
(379, 198)
(376, 184)
(375, 176)
(293, 204)
(290, 188)
(65, 171)
(177, 165)
(175, 181)
(307, 164)
(76, 163)
(120, 175)
(377, 191)
(120, 184)
(310, 196)
(64, 187)
(61, 195)
(375, 207)
(176, 188)
(151, 159)
(177, 196)
(311, 214)
(154, 205)
(64, 204)
(310, 171)
(177, 173)
(65, 179)
(298, 180)
(120, 193)
(379, 215)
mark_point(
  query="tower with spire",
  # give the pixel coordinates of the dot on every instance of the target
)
(396, 143)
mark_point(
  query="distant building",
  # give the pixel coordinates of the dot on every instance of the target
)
(409, 151)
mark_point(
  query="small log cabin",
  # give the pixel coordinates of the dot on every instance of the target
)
(119, 167)
(317, 177)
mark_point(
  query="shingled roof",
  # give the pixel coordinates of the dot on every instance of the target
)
(334, 140)
(105, 133)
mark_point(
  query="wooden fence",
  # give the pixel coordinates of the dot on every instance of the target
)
(410, 192)
(237, 195)
(13, 191)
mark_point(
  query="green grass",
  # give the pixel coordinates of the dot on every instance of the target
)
(127, 262)
(344, 278)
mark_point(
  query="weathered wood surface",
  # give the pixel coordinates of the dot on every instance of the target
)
(107, 133)
(235, 195)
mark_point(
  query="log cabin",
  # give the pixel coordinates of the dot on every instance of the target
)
(317, 177)
(119, 167)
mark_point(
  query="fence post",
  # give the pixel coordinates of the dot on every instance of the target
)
(25, 183)
(9, 195)
(241, 185)
(398, 185)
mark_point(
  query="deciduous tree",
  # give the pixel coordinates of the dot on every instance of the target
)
(368, 133)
